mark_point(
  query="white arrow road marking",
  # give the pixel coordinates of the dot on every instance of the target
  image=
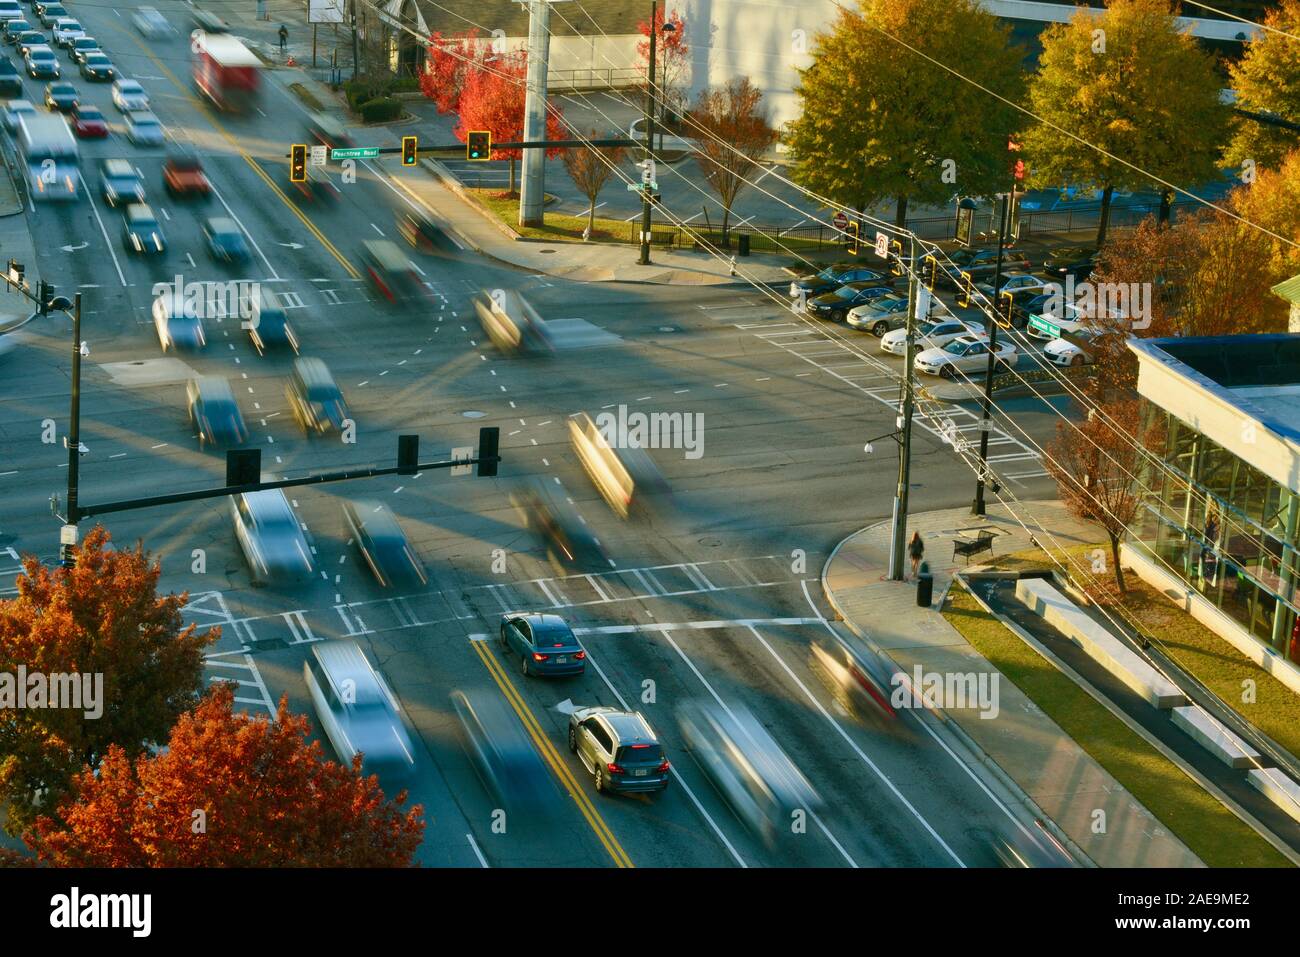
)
(73, 249)
(292, 245)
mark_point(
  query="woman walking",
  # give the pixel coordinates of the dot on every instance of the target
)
(916, 549)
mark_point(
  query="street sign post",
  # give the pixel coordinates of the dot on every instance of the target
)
(1043, 325)
(355, 152)
(840, 220)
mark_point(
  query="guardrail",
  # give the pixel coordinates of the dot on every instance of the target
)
(610, 78)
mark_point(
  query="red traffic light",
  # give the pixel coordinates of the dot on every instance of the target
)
(408, 150)
(1020, 170)
(298, 163)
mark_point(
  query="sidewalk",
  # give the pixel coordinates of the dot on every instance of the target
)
(1044, 762)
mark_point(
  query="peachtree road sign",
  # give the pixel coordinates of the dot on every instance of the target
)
(355, 152)
(1042, 325)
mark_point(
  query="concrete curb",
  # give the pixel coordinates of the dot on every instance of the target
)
(982, 756)
(1208, 786)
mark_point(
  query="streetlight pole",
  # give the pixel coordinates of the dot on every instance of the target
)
(977, 507)
(644, 260)
(69, 537)
(356, 57)
(917, 300)
(663, 87)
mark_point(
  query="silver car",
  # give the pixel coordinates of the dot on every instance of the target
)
(270, 536)
(144, 129)
(359, 713)
(129, 96)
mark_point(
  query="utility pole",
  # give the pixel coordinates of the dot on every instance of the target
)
(69, 535)
(356, 57)
(977, 507)
(532, 193)
(916, 301)
(649, 136)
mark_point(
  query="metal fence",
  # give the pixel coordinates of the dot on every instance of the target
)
(577, 81)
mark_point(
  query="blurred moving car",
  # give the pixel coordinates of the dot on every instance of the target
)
(317, 187)
(140, 230)
(11, 82)
(746, 765)
(625, 477)
(129, 96)
(215, 413)
(60, 97)
(967, 354)
(184, 176)
(270, 536)
(327, 131)
(89, 123)
(543, 643)
(391, 271)
(120, 182)
(152, 24)
(314, 397)
(511, 323)
(177, 323)
(208, 22)
(418, 228)
(268, 323)
(568, 541)
(358, 711)
(144, 129)
(858, 677)
(619, 749)
(13, 109)
(503, 755)
(1038, 848)
(383, 545)
(225, 240)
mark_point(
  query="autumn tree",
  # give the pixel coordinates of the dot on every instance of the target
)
(671, 52)
(733, 135)
(1095, 464)
(229, 791)
(1123, 97)
(449, 60)
(102, 620)
(878, 120)
(1267, 80)
(590, 168)
(493, 99)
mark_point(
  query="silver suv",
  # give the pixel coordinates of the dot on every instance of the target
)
(619, 748)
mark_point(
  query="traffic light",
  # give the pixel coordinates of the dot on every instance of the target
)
(1019, 171)
(1007, 306)
(298, 163)
(896, 268)
(929, 271)
(408, 454)
(967, 287)
(851, 232)
(489, 439)
(16, 272)
(408, 150)
(478, 146)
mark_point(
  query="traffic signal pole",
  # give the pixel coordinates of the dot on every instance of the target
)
(898, 539)
(646, 208)
(986, 424)
(74, 427)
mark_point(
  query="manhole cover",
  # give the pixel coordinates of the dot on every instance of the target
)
(546, 250)
(473, 414)
(667, 328)
(711, 542)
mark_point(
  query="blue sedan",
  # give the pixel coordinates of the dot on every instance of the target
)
(225, 240)
(544, 644)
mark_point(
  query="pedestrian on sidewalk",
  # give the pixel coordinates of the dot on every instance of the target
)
(284, 37)
(916, 549)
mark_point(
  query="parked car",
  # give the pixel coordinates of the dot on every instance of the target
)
(13, 109)
(1076, 261)
(836, 305)
(226, 240)
(880, 315)
(129, 96)
(96, 66)
(89, 123)
(619, 749)
(979, 263)
(66, 29)
(270, 536)
(42, 63)
(1041, 304)
(184, 176)
(542, 643)
(832, 277)
(215, 413)
(358, 711)
(61, 97)
(268, 323)
(120, 183)
(314, 397)
(152, 24)
(1052, 325)
(383, 545)
(177, 323)
(143, 129)
(1018, 284)
(930, 334)
(11, 81)
(140, 230)
(965, 355)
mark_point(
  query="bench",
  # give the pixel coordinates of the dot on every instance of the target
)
(982, 542)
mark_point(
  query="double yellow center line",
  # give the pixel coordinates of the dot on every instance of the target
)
(553, 758)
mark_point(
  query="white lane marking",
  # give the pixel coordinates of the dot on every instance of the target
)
(108, 242)
(477, 852)
(240, 223)
(411, 200)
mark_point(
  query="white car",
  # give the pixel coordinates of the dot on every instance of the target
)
(151, 23)
(144, 129)
(1017, 283)
(270, 536)
(129, 96)
(14, 109)
(1062, 352)
(1070, 320)
(66, 30)
(967, 354)
(931, 334)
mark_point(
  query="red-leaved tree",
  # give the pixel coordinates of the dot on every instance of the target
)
(449, 61)
(493, 99)
(229, 791)
(671, 51)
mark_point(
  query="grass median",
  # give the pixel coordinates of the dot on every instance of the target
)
(1216, 835)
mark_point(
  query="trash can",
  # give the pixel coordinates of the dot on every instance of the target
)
(924, 586)
(743, 241)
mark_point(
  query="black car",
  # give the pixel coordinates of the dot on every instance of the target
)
(225, 240)
(62, 97)
(568, 541)
(1076, 261)
(215, 413)
(315, 398)
(11, 81)
(832, 277)
(418, 228)
(979, 263)
(13, 29)
(383, 545)
(97, 66)
(836, 305)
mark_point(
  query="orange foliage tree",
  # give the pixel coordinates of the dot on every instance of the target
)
(103, 617)
(230, 791)
(448, 63)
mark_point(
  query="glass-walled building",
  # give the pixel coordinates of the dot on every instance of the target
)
(1221, 503)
